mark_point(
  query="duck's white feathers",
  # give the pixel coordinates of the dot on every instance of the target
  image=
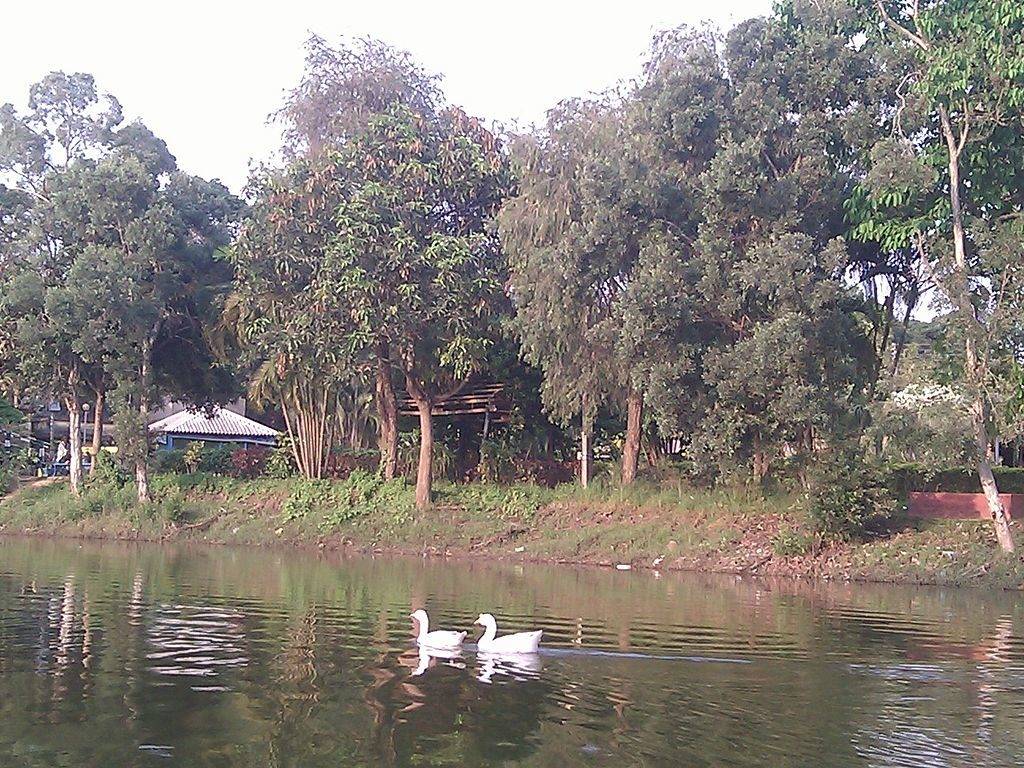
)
(442, 639)
(519, 642)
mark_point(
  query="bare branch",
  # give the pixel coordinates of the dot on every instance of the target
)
(916, 39)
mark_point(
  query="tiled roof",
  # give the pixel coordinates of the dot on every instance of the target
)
(216, 421)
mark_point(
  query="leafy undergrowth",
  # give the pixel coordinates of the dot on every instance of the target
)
(729, 530)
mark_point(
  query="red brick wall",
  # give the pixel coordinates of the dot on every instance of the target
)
(961, 506)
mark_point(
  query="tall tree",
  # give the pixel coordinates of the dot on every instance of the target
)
(417, 253)
(344, 87)
(157, 270)
(571, 245)
(289, 309)
(968, 85)
(68, 123)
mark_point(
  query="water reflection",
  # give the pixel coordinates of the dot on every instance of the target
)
(198, 641)
(517, 666)
(428, 657)
(136, 655)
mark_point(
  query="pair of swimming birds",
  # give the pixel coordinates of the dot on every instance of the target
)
(443, 639)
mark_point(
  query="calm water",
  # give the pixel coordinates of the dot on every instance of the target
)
(123, 655)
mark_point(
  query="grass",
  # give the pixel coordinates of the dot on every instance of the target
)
(728, 529)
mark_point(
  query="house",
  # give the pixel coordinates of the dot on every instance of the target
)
(211, 425)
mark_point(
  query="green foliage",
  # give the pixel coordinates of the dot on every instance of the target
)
(363, 493)
(172, 461)
(112, 279)
(9, 415)
(216, 459)
(307, 497)
(8, 475)
(280, 463)
(513, 503)
(192, 457)
(109, 472)
(333, 503)
(792, 542)
(903, 478)
(212, 458)
(444, 463)
(848, 499)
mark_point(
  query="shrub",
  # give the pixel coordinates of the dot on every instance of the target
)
(306, 497)
(109, 472)
(8, 477)
(212, 458)
(792, 542)
(849, 498)
(172, 462)
(216, 459)
(444, 464)
(248, 463)
(280, 462)
(547, 472)
(519, 502)
(362, 493)
(341, 464)
(193, 457)
(904, 478)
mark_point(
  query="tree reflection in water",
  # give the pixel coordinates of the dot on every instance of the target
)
(126, 655)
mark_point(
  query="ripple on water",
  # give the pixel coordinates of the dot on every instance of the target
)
(206, 656)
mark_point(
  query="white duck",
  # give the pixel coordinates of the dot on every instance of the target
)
(440, 638)
(520, 642)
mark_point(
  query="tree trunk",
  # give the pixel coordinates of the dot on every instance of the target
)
(142, 481)
(97, 427)
(586, 449)
(634, 428)
(74, 441)
(142, 491)
(425, 472)
(972, 367)
(760, 459)
(387, 413)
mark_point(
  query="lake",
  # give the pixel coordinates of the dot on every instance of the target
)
(145, 655)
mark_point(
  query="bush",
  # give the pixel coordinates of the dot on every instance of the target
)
(280, 463)
(212, 458)
(307, 496)
(444, 464)
(341, 464)
(171, 462)
(109, 473)
(792, 542)
(848, 499)
(216, 459)
(8, 477)
(519, 502)
(248, 463)
(335, 503)
(193, 457)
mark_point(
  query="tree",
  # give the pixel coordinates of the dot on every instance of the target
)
(152, 280)
(570, 249)
(344, 88)
(289, 308)
(968, 59)
(9, 415)
(417, 255)
(67, 124)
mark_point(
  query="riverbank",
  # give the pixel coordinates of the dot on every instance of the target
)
(736, 531)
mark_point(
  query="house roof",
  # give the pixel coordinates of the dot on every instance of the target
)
(215, 421)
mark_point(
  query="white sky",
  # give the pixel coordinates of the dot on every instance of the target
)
(205, 75)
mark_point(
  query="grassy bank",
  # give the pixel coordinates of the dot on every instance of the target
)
(726, 530)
